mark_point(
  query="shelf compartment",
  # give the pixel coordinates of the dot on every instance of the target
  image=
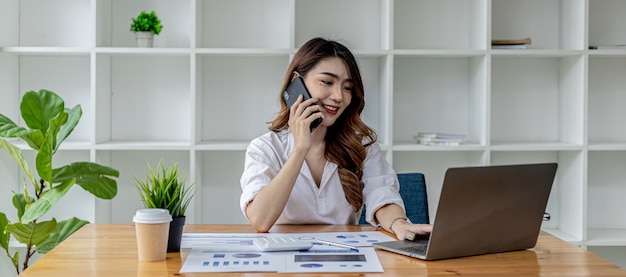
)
(537, 100)
(237, 96)
(150, 94)
(445, 95)
(374, 73)
(133, 164)
(114, 17)
(614, 254)
(606, 23)
(309, 23)
(566, 202)
(10, 86)
(67, 76)
(262, 24)
(554, 24)
(437, 24)
(605, 191)
(606, 98)
(48, 23)
(225, 171)
(10, 14)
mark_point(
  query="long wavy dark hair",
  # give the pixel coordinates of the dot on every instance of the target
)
(348, 137)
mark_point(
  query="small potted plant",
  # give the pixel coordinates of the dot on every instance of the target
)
(145, 26)
(165, 188)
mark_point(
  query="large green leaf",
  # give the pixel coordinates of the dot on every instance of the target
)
(32, 234)
(92, 177)
(16, 154)
(74, 115)
(38, 108)
(46, 201)
(8, 129)
(43, 161)
(44, 155)
(16, 259)
(34, 139)
(66, 228)
(19, 202)
(4, 235)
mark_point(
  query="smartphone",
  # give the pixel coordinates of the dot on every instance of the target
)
(295, 89)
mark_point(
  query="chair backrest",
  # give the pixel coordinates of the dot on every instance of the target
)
(413, 193)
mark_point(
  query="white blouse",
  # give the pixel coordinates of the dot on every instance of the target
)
(307, 203)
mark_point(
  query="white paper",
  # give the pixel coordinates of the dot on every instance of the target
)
(238, 242)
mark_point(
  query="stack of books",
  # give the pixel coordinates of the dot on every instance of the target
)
(510, 43)
(440, 139)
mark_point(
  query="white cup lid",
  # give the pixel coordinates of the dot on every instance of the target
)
(152, 216)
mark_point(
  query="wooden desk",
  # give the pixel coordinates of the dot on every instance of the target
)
(110, 250)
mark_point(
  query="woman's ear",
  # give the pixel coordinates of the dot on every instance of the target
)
(294, 74)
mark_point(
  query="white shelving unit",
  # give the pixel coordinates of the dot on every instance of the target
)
(211, 83)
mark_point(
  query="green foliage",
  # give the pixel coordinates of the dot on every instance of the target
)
(146, 22)
(165, 189)
(48, 123)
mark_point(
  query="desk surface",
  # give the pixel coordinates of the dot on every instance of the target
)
(110, 250)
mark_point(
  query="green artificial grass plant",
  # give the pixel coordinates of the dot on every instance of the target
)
(165, 188)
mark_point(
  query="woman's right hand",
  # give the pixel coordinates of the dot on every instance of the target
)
(301, 115)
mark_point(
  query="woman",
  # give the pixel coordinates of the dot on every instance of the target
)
(293, 175)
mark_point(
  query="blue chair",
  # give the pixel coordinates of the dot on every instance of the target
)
(413, 193)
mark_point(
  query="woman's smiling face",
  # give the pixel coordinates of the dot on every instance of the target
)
(329, 81)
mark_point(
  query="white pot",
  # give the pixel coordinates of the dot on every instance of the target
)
(144, 39)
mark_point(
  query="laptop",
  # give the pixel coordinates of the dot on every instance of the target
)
(482, 210)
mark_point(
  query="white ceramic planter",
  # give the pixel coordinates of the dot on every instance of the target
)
(144, 39)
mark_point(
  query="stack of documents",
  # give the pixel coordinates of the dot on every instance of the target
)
(440, 139)
(331, 252)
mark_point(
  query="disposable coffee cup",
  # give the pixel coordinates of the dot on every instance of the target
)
(152, 228)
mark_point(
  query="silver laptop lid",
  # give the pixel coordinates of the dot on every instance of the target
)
(490, 209)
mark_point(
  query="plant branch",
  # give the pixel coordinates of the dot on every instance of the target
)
(29, 253)
(41, 188)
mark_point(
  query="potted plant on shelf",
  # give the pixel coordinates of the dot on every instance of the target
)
(146, 26)
(49, 124)
(165, 188)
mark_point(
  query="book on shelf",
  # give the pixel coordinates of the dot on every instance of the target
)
(509, 46)
(510, 43)
(439, 139)
(601, 47)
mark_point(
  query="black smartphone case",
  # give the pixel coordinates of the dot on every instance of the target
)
(295, 89)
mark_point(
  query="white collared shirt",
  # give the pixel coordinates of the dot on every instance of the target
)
(307, 203)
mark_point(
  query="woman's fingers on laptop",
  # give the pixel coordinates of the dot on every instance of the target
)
(413, 231)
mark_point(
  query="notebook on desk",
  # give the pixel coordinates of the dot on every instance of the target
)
(484, 210)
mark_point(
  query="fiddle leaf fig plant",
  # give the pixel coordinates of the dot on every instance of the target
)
(48, 124)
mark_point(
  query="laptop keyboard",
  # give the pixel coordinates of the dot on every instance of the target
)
(415, 249)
